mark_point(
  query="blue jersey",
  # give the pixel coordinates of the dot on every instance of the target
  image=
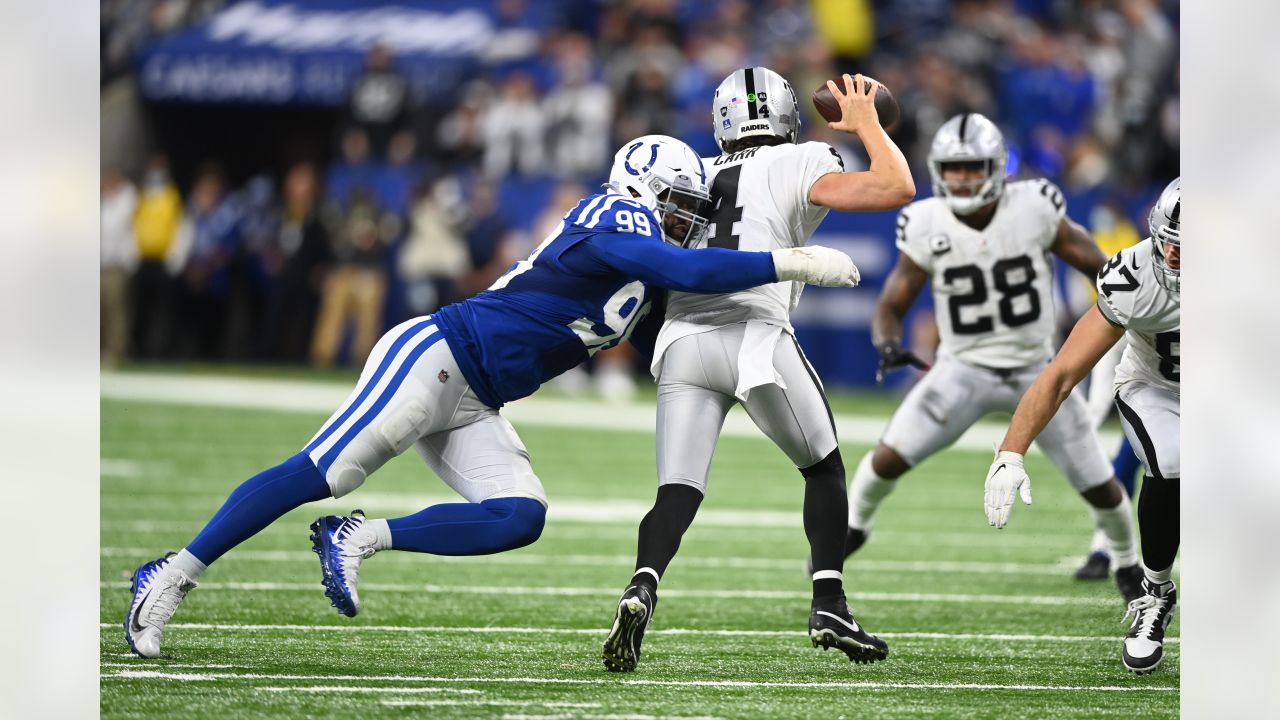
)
(584, 289)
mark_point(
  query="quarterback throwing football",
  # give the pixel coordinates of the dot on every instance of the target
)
(767, 193)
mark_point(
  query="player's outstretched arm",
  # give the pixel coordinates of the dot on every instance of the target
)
(1091, 338)
(901, 289)
(717, 270)
(1077, 248)
(887, 185)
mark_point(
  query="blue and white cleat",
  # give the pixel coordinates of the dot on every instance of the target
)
(157, 589)
(342, 546)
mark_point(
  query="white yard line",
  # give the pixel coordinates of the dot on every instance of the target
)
(590, 528)
(325, 397)
(207, 677)
(696, 632)
(119, 468)
(713, 563)
(1053, 600)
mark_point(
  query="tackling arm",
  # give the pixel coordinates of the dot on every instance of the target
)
(1092, 337)
(1075, 245)
(709, 270)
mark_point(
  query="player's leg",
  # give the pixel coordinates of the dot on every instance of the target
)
(1072, 445)
(945, 403)
(1151, 417)
(690, 415)
(1127, 466)
(470, 446)
(335, 462)
(795, 415)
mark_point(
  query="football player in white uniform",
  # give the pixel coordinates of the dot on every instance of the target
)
(984, 245)
(767, 192)
(1138, 299)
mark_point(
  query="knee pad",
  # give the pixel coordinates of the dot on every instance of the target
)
(343, 477)
(521, 521)
(829, 469)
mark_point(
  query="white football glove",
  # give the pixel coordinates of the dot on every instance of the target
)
(816, 265)
(1005, 478)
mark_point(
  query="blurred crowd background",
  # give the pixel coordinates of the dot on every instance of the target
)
(284, 180)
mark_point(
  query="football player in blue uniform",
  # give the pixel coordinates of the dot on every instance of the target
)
(436, 383)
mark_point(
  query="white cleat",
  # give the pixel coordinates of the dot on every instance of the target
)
(1152, 613)
(157, 590)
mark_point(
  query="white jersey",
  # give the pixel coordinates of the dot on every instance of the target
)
(760, 201)
(992, 288)
(1131, 297)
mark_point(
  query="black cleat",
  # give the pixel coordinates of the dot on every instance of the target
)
(635, 610)
(833, 626)
(1096, 567)
(1144, 643)
(1129, 582)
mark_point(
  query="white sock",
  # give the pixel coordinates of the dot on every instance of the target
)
(866, 493)
(1117, 524)
(375, 534)
(1100, 543)
(1158, 578)
(189, 564)
(648, 570)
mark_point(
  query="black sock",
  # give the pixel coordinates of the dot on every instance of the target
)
(1158, 521)
(826, 519)
(663, 527)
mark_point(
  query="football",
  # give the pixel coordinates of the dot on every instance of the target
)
(886, 106)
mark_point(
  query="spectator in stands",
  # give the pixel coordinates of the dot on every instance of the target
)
(395, 179)
(578, 112)
(460, 135)
(353, 171)
(490, 240)
(210, 239)
(259, 218)
(513, 130)
(155, 228)
(380, 101)
(356, 284)
(435, 253)
(647, 99)
(119, 259)
(1046, 95)
(294, 261)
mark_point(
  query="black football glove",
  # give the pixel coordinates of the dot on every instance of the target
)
(893, 355)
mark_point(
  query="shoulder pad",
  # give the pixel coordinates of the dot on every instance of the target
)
(1119, 282)
(611, 212)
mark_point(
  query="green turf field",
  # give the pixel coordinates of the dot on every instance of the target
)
(981, 623)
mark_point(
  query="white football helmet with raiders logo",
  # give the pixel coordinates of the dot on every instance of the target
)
(666, 176)
(754, 102)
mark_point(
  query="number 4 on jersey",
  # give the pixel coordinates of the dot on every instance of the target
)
(725, 209)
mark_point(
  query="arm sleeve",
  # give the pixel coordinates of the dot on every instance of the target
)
(707, 270)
